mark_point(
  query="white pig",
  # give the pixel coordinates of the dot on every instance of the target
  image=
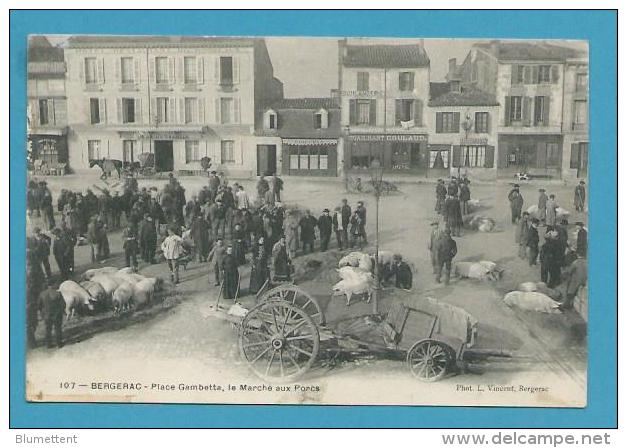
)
(75, 296)
(91, 273)
(354, 281)
(122, 297)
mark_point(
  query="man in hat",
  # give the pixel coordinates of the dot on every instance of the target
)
(172, 247)
(542, 198)
(582, 240)
(464, 195)
(325, 226)
(307, 231)
(243, 202)
(402, 272)
(52, 308)
(361, 211)
(434, 240)
(533, 239)
(516, 203)
(130, 245)
(447, 249)
(338, 228)
(346, 219)
(35, 281)
(200, 235)
(147, 238)
(440, 196)
(217, 255)
(580, 196)
(453, 215)
(259, 272)
(281, 262)
(231, 274)
(62, 249)
(551, 211)
(522, 234)
(42, 244)
(551, 260)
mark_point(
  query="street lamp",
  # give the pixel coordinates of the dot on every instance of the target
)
(376, 179)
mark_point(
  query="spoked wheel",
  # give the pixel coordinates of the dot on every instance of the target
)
(296, 296)
(279, 341)
(429, 360)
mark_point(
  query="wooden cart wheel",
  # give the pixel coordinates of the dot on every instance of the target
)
(429, 360)
(279, 341)
(296, 296)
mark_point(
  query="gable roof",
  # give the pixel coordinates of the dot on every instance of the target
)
(529, 51)
(305, 103)
(384, 56)
(41, 50)
(440, 95)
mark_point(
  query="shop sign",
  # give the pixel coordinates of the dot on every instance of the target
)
(389, 138)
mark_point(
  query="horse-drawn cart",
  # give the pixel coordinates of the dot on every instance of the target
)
(282, 335)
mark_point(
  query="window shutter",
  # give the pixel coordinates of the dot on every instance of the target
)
(266, 120)
(546, 111)
(526, 111)
(152, 71)
(574, 156)
(172, 73)
(514, 74)
(118, 104)
(541, 155)
(180, 67)
(411, 81)
(81, 71)
(118, 70)
(101, 71)
(397, 116)
(488, 124)
(201, 110)
(51, 118)
(200, 70)
(438, 123)
(508, 110)
(235, 69)
(373, 113)
(217, 110)
(456, 122)
(457, 155)
(325, 119)
(237, 110)
(216, 69)
(152, 119)
(489, 157)
(352, 107)
(173, 112)
(102, 110)
(137, 71)
(555, 74)
(418, 112)
(535, 77)
(181, 110)
(138, 110)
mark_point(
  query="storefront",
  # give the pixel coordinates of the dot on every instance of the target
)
(51, 149)
(538, 155)
(310, 157)
(398, 153)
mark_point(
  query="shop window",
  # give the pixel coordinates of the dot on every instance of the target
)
(309, 158)
(400, 156)
(43, 112)
(127, 70)
(473, 156)
(438, 159)
(481, 122)
(93, 149)
(227, 151)
(192, 151)
(128, 151)
(48, 152)
(406, 81)
(363, 81)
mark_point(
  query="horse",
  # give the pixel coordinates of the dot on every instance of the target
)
(108, 166)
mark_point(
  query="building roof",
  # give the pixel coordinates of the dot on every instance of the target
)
(298, 122)
(384, 56)
(41, 50)
(158, 41)
(441, 95)
(529, 51)
(305, 103)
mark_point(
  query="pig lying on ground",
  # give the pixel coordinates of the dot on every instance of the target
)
(479, 223)
(354, 281)
(122, 297)
(75, 297)
(357, 260)
(532, 301)
(90, 273)
(97, 292)
(480, 270)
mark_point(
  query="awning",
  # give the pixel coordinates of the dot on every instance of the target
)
(309, 141)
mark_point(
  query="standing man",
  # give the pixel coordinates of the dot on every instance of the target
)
(262, 188)
(453, 215)
(42, 251)
(243, 202)
(130, 245)
(440, 196)
(200, 235)
(582, 240)
(346, 219)
(281, 262)
(325, 226)
(551, 211)
(217, 256)
(307, 231)
(402, 272)
(172, 248)
(551, 259)
(361, 211)
(61, 248)
(447, 249)
(231, 274)
(434, 240)
(533, 239)
(542, 199)
(52, 311)
(522, 235)
(516, 204)
(464, 195)
(580, 196)
(338, 228)
(35, 281)
(147, 238)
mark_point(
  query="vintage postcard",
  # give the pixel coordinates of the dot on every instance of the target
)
(350, 221)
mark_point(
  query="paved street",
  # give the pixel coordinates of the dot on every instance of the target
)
(178, 338)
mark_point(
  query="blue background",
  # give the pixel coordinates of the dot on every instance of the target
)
(599, 27)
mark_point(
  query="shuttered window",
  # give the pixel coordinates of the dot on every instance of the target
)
(227, 151)
(515, 109)
(404, 110)
(363, 81)
(128, 151)
(91, 71)
(553, 155)
(539, 110)
(128, 70)
(473, 156)
(447, 122)
(481, 122)
(43, 112)
(94, 110)
(544, 74)
(192, 151)
(363, 112)
(93, 149)
(226, 110)
(128, 110)
(581, 112)
(226, 70)
(163, 110)
(406, 81)
(191, 110)
(162, 68)
(190, 70)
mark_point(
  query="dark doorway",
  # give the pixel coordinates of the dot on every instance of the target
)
(164, 155)
(266, 159)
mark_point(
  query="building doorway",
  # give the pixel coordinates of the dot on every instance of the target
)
(164, 155)
(266, 160)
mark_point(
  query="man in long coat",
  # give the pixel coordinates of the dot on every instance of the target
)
(361, 211)
(464, 196)
(551, 259)
(402, 272)
(290, 230)
(307, 231)
(436, 233)
(281, 262)
(325, 226)
(447, 249)
(147, 238)
(533, 239)
(346, 219)
(217, 256)
(231, 275)
(453, 215)
(61, 248)
(582, 240)
(52, 311)
(440, 196)
(580, 196)
(522, 234)
(516, 203)
(260, 271)
(542, 199)
(551, 211)
(200, 235)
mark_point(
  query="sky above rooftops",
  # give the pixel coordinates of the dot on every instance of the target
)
(308, 67)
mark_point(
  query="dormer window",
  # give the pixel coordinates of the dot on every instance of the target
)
(456, 86)
(270, 119)
(321, 119)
